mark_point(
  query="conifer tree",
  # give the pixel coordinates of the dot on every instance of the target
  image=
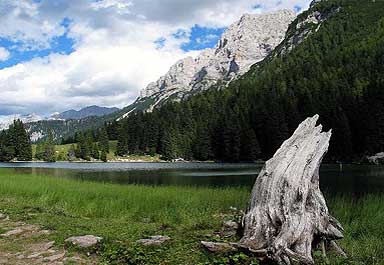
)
(49, 149)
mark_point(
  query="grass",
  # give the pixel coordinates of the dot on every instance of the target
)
(124, 214)
(62, 151)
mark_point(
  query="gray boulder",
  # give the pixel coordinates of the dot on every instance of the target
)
(87, 241)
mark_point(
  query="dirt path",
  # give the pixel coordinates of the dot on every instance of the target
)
(22, 243)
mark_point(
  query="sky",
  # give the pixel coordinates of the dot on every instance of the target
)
(57, 55)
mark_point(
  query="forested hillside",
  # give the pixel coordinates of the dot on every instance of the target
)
(331, 63)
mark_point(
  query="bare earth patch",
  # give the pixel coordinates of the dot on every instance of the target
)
(22, 243)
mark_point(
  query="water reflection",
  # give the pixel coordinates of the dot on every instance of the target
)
(352, 179)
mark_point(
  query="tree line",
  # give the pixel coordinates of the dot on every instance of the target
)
(336, 72)
(15, 143)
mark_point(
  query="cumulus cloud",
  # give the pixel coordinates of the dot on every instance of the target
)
(116, 49)
(4, 54)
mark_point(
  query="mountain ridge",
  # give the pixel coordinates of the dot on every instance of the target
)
(84, 113)
(246, 42)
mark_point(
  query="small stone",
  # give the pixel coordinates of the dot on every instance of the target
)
(13, 232)
(48, 245)
(3, 216)
(35, 255)
(230, 228)
(54, 257)
(146, 220)
(84, 241)
(153, 240)
(231, 225)
(218, 247)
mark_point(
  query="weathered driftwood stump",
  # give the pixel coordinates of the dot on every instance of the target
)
(287, 215)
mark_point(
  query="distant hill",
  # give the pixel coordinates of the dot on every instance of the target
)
(84, 113)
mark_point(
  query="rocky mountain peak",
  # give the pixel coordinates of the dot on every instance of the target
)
(243, 44)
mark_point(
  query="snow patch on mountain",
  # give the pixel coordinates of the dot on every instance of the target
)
(6, 121)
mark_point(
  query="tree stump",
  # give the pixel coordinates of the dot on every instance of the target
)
(287, 215)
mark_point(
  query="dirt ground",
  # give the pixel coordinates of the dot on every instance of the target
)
(22, 243)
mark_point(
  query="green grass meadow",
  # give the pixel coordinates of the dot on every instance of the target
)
(123, 214)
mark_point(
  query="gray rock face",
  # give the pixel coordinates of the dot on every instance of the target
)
(87, 241)
(243, 44)
(153, 240)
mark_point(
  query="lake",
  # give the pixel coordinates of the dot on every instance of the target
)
(355, 179)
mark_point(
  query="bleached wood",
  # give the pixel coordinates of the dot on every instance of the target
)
(287, 214)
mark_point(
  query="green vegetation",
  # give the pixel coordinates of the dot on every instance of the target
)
(45, 150)
(124, 214)
(336, 71)
(15, 143)
(67, 152)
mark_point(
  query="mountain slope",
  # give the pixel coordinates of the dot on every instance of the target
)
(243, 44)
(6, 121)
(331, 63)
(84, 113)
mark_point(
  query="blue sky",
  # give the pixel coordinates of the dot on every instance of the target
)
(199, 38)
(62, 54)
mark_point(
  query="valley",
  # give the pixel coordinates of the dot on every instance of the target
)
(260, 139)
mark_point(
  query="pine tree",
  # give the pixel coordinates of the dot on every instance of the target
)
(49, 149)
(96, 151)
(20, 141)
(103, 140)
(103, 156)
(72, 153)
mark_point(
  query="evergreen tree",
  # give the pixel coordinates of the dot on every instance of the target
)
(49, 149)
(103, 140)
(20, 141)
(72, 153)
(103, 156)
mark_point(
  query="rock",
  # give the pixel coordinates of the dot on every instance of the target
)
(47, 245)
(287, 215)
(87, 241)
(16, 231)
(377, 159)
(153, 240)
(3, 216)
(215, 247)
(230, 228)
(243, 44)
(35, 255)
(54, 257)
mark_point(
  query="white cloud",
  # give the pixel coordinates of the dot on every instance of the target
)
(4, 54)
(115, 52)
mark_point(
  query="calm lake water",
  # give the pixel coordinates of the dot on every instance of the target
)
(353, 179)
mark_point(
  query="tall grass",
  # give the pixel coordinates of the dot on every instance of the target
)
(97, 200)
(126, 213)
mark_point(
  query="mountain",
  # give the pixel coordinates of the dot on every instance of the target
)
(83, 113)
(243, 44)
(63, 124)
(5, 121)
(331, 63)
